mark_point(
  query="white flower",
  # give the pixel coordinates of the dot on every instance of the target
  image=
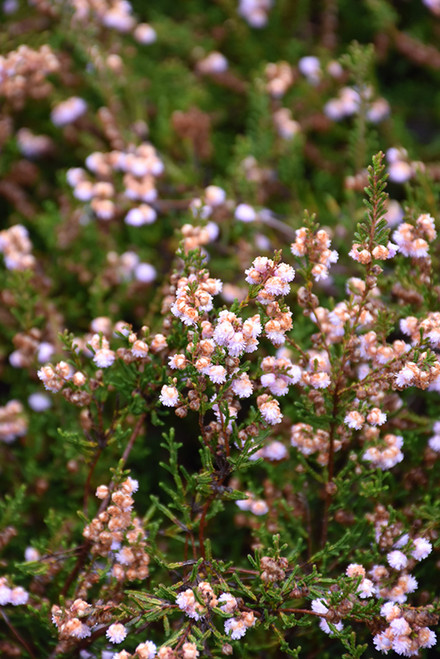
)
(145, 34)
(275, 451)
(400, 626)
(325, 626)
(409, 582)
(422, 548)
(402, 541)
(434, 443)
(259, 507)
(125, 556)
(404, 377)
(389, 611)
(319, 272)
(39, 402)
(131, 485)
(402, 645)
(376, 417)
(285, 272)
(319, 380)
(214, 195)
(145, 273)
(169, 396)
(276, 286)
(235, 627)
(146, 650)
(245, 213)
(229, 603)
(397, 559)
(270, 411)
(242, 386)
(318, 606)
(366, 588)
(79, 629)
(236, 344)
(104, 358)
(223, 333)
(116, 633)
(427, 637)
(68, 111)
(400, 171)
(139, 348)
(354, 420)
(217, 374)
(186, 601)
(310, 67)
(5, 594)
(31, 554)
(137, 217)
(18, 596)
(382, 642)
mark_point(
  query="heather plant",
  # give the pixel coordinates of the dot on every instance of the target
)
(220, 329)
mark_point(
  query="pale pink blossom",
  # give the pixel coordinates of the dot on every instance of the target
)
(217, 374)
(146, 650)
(270, 411)
(242, 386)
(245, 213)
(422, 548)
(354, 420)
(397, 559)
(116, 633)
(104, 357)
(169, 396)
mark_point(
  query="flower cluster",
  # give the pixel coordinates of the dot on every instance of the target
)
(15, 595)
(406, 632)
(317, 249)
(23, 74)
(140, 166)
(348, 103)
(68, 111)
(73, 621)
(255, 12)
(387, 457)
(117, 535)
(279, 78)
(400, 169)
(187, 602)
(13, 422)
(193, 297)
(414, 240)
(116, 15)
(16, 248)
(308, 441)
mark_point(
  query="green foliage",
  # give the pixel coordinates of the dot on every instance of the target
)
(374, 230)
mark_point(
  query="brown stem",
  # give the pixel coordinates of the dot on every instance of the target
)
(17, 635)
(202, 526)
(77, 567)
(329, 27)
(307, 611)
(89, 479)
(85, 548)
(337, 394)
(330, 468)
(133, 438)
(276, 224)
(124, 458)
(296, 347)
(416, 50)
